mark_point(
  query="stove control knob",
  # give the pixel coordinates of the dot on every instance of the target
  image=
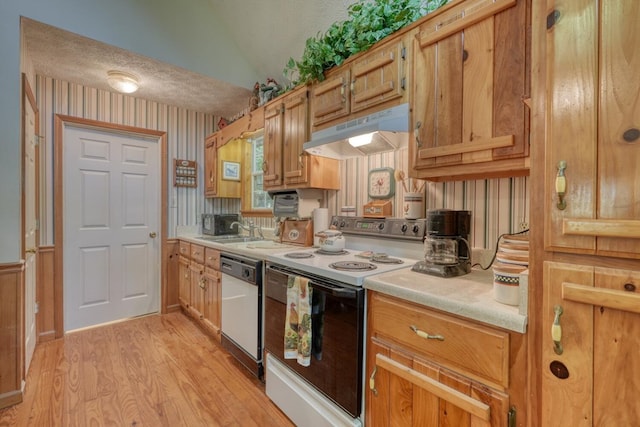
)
(415, 228)
(381, 226)
(342, 224)
(404, 228)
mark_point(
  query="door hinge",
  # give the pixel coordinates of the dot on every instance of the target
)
(511, 417)
(403, 83)
(38, 224)
(38, 138)
(403, 53)
(36, 308)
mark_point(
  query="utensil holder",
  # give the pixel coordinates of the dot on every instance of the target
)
(413, 205)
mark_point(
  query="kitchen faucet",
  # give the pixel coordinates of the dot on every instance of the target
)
(250, 227)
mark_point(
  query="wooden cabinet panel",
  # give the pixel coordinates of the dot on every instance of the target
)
(478, 351)
(378, 75)
(286, 165)
(331, 97)
(184, 282)
(592, 127)
(410, 384)
(197, 253)
(212, 301)
(196, 272)
(470, 78)
(273, 135)
(371, 81)
(212, 258)
(210, 166)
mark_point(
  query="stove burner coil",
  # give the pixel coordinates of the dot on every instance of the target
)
(299, 255)
(324, 252)
(352, 266)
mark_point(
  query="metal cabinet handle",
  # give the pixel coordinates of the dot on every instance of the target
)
(417, 133)
(264, 166)
(556, 330)
(372, 381)
(561, 185)
(425, 335)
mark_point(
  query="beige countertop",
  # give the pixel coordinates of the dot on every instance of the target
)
(469, 296)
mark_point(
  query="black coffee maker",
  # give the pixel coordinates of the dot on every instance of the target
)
(447, 252)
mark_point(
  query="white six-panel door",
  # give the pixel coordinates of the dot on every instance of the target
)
(111, 241)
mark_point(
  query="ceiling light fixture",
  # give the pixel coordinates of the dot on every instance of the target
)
(122, 82)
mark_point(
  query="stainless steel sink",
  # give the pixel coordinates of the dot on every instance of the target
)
(230, 239)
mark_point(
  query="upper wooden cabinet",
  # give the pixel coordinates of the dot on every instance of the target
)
(470, 85)
(210, 165)
(373, 80)
(593, 128)
(286, 165)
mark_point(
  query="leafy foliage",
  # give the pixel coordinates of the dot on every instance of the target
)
(369, 22)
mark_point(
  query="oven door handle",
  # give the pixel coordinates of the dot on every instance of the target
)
(338, 291)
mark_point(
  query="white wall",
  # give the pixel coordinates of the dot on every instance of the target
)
(183, 33)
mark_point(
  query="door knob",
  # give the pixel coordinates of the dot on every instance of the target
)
(153, 234)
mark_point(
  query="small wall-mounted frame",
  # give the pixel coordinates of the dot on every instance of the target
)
(230, 171)
(185, 173)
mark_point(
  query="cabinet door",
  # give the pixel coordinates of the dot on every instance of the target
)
(470, 77)
(196, 272)
(184, 282)
(212, 300)
(378, 76)
(210, 169)
(330, 99)
(405, 390)
(273, 134)
(590, 377)
(295, 134)
(592, 117)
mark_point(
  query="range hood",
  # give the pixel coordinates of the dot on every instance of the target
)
(391, 128)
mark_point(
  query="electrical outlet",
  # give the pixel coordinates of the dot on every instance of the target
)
(524, 225)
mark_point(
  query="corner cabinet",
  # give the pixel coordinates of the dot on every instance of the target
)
(286, 165)
(373, 80)
(425, 368)
(470, 88)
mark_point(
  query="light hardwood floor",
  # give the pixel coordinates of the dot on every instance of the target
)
(159, 370)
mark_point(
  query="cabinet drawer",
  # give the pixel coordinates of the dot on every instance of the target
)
(474, 350)
(185, 248)
(212, 258)
(197, 253)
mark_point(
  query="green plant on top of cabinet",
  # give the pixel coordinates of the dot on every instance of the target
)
(286, 165)
(470, 87)
(371, 81)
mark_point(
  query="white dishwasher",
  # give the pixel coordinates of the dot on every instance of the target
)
(241, 321)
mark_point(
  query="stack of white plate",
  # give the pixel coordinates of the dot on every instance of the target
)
(512, 259)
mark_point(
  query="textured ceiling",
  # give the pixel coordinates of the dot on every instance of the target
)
(267, 32)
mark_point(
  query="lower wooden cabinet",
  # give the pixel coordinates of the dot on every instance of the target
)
(422, 372)
(199, 285)
(590, 369)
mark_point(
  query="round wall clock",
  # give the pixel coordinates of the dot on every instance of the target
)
(382, 184)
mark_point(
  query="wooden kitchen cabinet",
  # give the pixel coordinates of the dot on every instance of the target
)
(458, 377)
(286, 165)
(594, 379)
(211, 165)
(373, 80)
(184, 275)
(593, 131)
(470, 85)
(200, 291)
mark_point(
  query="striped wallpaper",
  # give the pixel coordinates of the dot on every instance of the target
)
(498, 205)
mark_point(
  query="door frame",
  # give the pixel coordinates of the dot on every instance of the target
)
(29, 97)
(60, 122)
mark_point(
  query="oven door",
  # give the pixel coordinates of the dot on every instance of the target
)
(337, 318)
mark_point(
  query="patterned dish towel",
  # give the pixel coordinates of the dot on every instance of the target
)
(297, 327)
